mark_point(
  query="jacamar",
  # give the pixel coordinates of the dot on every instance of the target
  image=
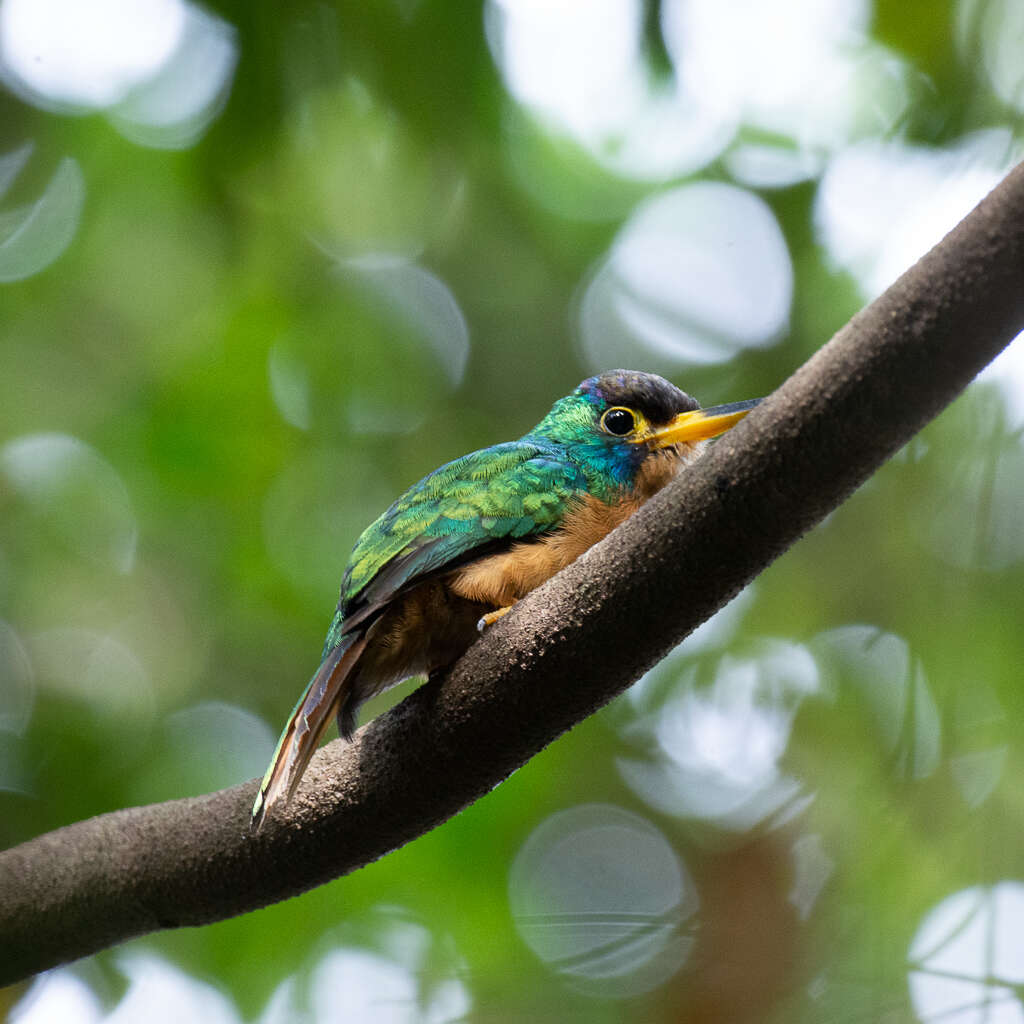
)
(457, 549)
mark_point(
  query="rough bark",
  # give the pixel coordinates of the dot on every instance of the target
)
(566, 650)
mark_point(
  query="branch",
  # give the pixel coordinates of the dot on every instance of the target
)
(566, 650)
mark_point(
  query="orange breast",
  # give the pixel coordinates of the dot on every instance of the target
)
(499, 580)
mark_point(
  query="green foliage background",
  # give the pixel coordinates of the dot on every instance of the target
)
(250, 402)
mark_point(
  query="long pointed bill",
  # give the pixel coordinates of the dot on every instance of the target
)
(701, 424)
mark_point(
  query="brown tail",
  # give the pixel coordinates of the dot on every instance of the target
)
(313, 713)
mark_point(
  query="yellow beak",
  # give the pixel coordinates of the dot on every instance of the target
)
(700, 424)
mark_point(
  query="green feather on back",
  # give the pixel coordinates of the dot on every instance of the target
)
(495, 495)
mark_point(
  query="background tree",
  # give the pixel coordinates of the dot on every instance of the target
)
(291, 260)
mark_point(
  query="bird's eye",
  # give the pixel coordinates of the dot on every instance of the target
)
(618, 421)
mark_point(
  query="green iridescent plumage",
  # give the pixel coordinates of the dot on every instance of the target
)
(512, 490)
(502, 500)
(508, 491)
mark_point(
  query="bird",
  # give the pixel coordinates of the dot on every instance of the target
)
(453, 554)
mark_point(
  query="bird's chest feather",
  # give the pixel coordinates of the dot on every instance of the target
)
(502, 579)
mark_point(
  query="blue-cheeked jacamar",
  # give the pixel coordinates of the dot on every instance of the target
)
(455, 551)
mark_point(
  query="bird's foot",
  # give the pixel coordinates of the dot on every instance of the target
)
(492, 617)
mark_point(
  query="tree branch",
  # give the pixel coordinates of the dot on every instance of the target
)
(566, 650)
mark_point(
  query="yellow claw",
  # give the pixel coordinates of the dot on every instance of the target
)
(492, 617)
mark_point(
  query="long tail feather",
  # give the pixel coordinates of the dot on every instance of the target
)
(313, 713)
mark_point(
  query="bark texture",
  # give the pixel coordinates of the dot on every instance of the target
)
(566, 650)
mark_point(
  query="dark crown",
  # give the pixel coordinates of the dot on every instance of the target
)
(658, 399)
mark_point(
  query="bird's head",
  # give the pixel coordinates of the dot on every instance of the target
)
(628, 429)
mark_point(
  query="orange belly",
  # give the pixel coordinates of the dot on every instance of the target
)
(500, 580)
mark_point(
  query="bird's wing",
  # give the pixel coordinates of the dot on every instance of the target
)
(473, 505)
(483, 501)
